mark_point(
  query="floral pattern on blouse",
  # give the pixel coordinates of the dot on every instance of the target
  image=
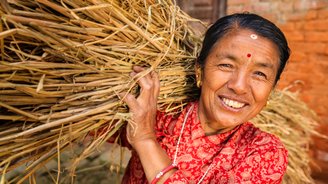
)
(244, 154)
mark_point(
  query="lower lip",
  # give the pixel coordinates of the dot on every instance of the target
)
(228, 107)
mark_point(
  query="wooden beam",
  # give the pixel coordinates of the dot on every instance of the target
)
(219, 9)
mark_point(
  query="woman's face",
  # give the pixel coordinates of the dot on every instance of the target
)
(237, 79)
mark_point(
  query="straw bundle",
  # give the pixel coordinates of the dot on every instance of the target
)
(63, 62)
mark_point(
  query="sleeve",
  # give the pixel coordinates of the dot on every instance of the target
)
(262, 166)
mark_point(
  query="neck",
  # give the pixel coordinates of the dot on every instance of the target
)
(211, 128)
(213, 131)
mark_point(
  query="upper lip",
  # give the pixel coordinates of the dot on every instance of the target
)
(234, 99)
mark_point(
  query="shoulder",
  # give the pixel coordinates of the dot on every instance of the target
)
(258, 139)
(264, 156)
(255, 142)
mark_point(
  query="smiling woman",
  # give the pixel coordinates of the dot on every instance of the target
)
(236, 88)
(212, 140)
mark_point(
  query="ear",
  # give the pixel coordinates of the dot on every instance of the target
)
(198, 71)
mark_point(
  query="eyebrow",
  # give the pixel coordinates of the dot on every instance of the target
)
(264, 64)
(233, 58)
(226, 55)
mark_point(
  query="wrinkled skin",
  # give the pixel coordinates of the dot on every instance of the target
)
(239, 70)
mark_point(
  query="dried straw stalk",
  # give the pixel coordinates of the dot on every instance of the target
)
(63, 62)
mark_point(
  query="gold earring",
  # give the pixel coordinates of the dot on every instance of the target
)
(199, 79)
(199, 83)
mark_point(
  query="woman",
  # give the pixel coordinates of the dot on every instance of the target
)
(211, 141)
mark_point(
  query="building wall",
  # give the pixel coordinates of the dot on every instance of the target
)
(305, 24)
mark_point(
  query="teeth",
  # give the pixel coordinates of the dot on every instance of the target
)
(232, 103)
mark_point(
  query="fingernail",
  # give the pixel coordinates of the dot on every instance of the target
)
(132, 74)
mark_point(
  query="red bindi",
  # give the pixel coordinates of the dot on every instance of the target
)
(249, 55)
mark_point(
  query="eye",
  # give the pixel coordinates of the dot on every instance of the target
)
(261, 74)
(225, 66)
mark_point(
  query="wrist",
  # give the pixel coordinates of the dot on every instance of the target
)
(145, 144)
(153, 158)
(171, 168)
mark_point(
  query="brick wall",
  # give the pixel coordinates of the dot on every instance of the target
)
(305, 24)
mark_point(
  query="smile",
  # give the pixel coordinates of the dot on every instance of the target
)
(232, 103)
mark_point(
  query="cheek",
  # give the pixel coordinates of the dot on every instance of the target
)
(214, 79)
(261, 94)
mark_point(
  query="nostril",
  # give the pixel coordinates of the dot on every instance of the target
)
(238, 85)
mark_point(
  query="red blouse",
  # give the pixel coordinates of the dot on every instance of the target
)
(242, 155)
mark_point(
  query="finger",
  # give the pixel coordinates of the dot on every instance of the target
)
(156, 83)
(133, 74)
(146, 83)
(140, 82)
(137, 68)
(147, 86)
(130, 100)
(146, 89)
(141, 72)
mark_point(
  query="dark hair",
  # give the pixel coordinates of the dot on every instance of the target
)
(249, 21)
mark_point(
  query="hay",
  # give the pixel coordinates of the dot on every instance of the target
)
(63, 62)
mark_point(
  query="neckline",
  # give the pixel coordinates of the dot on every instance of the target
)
(197, 131)
(189, 112)
(178, 143)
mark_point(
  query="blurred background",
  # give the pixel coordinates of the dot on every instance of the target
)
(305, 24)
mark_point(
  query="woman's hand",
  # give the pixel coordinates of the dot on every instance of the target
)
(143, 108)
(140, 130)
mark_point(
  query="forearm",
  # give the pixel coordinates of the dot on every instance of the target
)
(153, 159)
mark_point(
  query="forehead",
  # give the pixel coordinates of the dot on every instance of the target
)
(245, 35)
(244, 41)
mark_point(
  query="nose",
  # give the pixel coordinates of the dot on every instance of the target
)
(238, 83)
